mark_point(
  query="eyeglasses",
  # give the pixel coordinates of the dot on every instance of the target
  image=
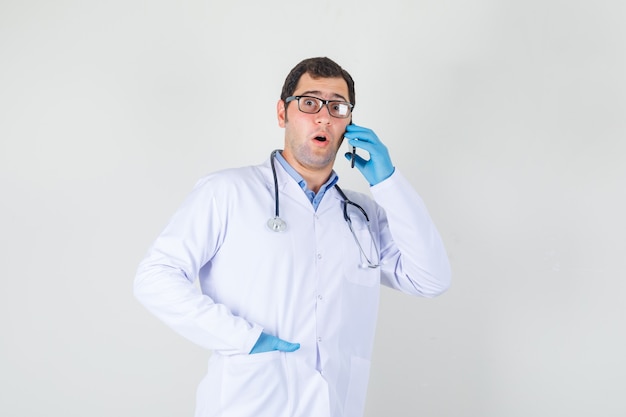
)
(346, 215)
(312, 105)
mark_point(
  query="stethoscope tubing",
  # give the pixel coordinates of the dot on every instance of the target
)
(276, 223)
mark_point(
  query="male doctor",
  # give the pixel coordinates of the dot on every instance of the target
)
(290, 265)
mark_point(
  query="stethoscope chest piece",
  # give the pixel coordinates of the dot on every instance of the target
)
(277, 224)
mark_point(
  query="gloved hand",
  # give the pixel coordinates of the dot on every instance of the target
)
(379, 166)
(267, 343)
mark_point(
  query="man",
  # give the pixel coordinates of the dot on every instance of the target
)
(289, 305)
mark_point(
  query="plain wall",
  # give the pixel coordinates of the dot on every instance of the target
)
(508, 117)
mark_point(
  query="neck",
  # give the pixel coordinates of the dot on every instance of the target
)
(315, 177)
(315, 181)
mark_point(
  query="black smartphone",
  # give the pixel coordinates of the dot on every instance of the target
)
(353, 154)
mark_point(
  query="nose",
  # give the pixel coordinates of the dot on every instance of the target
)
(323, 116)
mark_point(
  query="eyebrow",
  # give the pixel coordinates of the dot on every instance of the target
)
(319, 93)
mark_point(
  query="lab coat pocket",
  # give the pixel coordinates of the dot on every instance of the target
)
(361, 248)
(361, 251)
(362, 276)
(255, 382)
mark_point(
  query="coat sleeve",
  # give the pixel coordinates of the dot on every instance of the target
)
(413, 256)
(166, 278)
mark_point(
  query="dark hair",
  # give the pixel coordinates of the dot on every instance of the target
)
(321, 67)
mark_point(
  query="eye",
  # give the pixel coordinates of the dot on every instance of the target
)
(340, 108)
(309, 104)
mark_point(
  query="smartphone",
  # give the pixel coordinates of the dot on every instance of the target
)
(353, 154)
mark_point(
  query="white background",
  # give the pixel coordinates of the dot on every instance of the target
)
(507, 116)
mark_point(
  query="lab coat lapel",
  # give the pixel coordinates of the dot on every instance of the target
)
(332, 200)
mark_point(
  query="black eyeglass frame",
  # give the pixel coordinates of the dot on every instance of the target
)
(324, 103)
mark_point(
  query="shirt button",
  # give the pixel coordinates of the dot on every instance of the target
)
(320, 297)
(319, 339)
(319, 256)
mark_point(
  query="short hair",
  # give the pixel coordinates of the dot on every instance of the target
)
(320, 67)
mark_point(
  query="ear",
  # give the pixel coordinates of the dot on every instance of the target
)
(281, 113)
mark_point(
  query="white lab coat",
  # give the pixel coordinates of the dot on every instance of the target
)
(304, 285)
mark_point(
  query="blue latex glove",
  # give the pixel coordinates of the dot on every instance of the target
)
(379, 166)
(267, 343)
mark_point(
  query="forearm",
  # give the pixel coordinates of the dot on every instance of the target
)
(418, 258)
(176, 301)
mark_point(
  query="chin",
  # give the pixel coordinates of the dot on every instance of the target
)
(319, 161)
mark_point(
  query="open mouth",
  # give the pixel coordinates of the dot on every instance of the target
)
(320, 138)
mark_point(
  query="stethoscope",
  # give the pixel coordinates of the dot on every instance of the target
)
(277, 224)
